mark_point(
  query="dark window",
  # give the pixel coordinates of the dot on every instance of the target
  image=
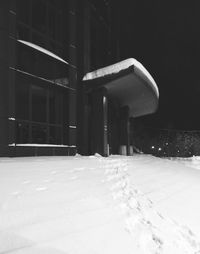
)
(22, 132)
(42, 112)
(39, 104)
(55, 135)
(52, 106)
(23, 33)
(23, 10)
(51, 22)
(39, 134)
(52, 135)
(38, 39)
(41, 100)
(59, 26)
(99, 43)
(42, 65)
(65, 108)
(22, 96)
(39, 14)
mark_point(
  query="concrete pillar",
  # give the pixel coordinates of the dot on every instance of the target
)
(105, 126)
(4, 76)
(99, 123)
(82, 68)
(72, 71)
(124, 131)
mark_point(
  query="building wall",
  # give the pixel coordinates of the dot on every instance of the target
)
(43, 104)
(94, 52)
(38, 92)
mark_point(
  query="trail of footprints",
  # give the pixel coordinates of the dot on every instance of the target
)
(153, 233)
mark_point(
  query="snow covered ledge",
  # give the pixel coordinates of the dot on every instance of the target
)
(130, 83)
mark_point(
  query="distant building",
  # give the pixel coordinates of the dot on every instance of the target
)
(46, 48)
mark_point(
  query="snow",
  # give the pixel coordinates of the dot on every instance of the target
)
(139, 69)
(138, 204)
(45, 51)
(41, 145)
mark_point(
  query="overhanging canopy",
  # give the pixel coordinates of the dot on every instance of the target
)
(129, 83)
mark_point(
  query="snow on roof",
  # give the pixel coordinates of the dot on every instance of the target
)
(43, 50)
(123, 65)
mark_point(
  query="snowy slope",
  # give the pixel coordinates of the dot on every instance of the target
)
(98, 205)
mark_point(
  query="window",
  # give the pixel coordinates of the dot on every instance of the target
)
(41, 110)
(23, 33)
(41, 65)
(99, 43)
(23, 11)
(42, 80)
(22, 133)
(39, 14)
(39, 104)
(55, 135)
(52, 22)
(38, 39)
(39, 134)
(22, 96)
(44, 23)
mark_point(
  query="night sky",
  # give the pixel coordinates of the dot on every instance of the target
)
(165, 37)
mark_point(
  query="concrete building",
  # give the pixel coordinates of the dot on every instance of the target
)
(46, 48)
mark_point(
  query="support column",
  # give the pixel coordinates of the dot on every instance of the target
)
(105, 126)
(124, 131)
(4, 76)
(72, 72)
(128, 136)
(99, 123)
(82, 68)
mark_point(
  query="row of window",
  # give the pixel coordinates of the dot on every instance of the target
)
(99, 43)
(101, 8)
(41, 83)
(44, 23)
(29, 132)
(41, 111)
(40, 101)
(44, 16)
(41, 65)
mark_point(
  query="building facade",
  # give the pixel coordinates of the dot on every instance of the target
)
(46, 47)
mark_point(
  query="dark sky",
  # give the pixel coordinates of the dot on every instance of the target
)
(165, 37)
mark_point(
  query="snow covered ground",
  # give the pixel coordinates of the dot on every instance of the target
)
(78, 205)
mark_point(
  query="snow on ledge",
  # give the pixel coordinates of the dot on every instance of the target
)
(43, 50)
(123, 65)
(41, 145)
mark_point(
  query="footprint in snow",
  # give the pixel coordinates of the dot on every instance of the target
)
(73, 178)
(53, 172)
(26, 182)
(47, 180)
(16, 193)
(41, 189)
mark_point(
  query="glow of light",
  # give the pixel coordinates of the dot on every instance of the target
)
(159, 149)
(153, 147)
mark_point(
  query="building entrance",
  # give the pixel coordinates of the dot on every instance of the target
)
(109, 125)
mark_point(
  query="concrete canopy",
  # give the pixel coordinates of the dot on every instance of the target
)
(129, 83)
